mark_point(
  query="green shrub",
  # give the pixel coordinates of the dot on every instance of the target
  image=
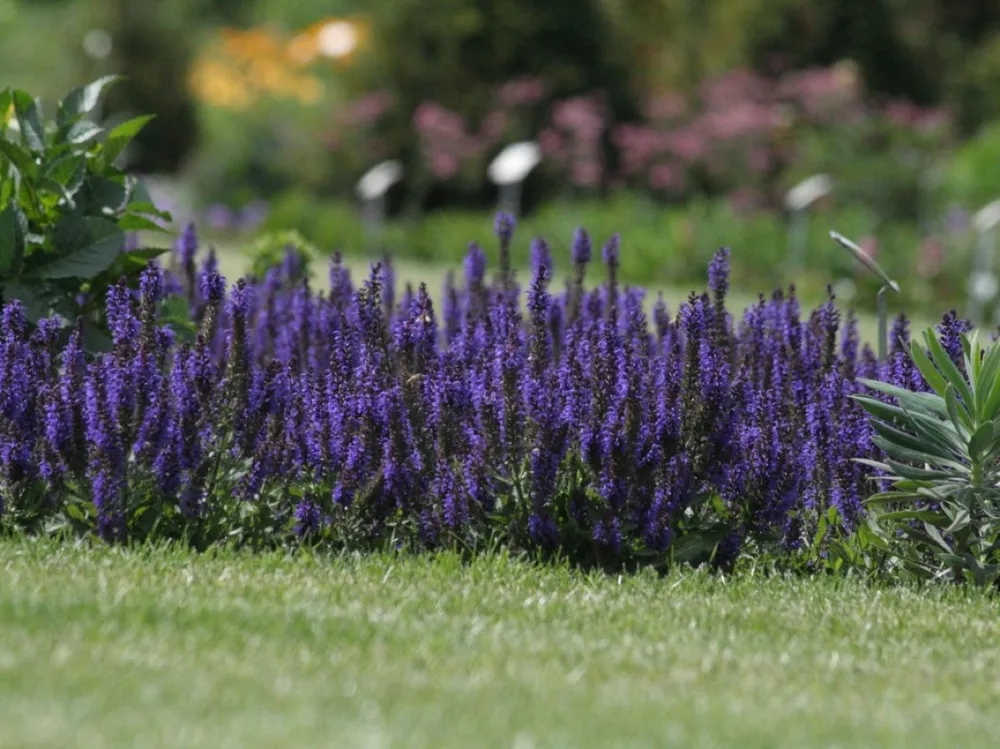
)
(65, 206)
(271, 249)
(943, 459)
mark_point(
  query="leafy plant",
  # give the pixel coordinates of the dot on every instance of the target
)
(272, 249)
(65, 207)
(942, 448)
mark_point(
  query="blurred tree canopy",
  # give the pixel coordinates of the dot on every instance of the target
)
(456, 52)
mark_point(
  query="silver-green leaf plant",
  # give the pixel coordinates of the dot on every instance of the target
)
(940, 513)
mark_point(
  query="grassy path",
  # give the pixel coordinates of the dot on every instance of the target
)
(102, 649)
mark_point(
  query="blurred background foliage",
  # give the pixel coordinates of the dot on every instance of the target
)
(681, 123)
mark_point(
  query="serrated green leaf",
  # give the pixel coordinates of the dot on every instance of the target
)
(83, 99)
(13, 239)
(19, 157)
(100, 193)
(81, 131)
(120, 136)
(29, 118)
(86, 246)
(949, 370)
(32, 298)
(54, 187)
(137, 222)
(128, 264)
(69, 170)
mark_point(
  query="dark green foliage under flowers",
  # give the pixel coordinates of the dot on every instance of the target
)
(941, 517)
(65, 208)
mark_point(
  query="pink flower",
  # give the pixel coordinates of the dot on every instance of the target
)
(444, 165)
(930, 258)
(586, 173)
(666, 177)
(551, 142)
(522, 92)
(665, 107)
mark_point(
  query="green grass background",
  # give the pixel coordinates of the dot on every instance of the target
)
(161, 648)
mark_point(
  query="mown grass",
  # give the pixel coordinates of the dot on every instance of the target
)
(163, 648)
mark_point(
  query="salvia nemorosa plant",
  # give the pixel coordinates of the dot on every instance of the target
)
(582, 420)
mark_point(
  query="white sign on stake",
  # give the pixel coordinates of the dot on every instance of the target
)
(510, 168)
(376, 181)
(982, 284)
(798, 200)
(372, 189)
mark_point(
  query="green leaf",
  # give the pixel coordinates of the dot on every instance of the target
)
(882, 498)
(120, 136)
(959, 416)
(96, 341)
(87, 246)
(36, 306)
(100, 193)
(54, 187)
(928, 402)
(68, 170)
(83, 99)
(915, 456)
(940, 433)
(137, 222)
(13, 239)
(949, 370)
(927, 369)
(6, 99)
(29, 117)
(881, 410)
(981, 441)
(128, 264)
(935, 534)
(927, 516)
(19, 157)
(897, 437)
(81, 131)
(988, 380)
(917, 474)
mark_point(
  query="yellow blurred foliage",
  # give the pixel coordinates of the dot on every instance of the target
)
(243, 65)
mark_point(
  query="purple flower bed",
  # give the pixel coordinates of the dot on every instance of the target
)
(565, 420)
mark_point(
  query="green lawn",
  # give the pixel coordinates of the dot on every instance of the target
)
(103, 648)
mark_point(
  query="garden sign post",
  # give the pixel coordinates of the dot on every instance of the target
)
(880, 299)
(982, 281)
(798, 201)
(509, 169)
(372, 189)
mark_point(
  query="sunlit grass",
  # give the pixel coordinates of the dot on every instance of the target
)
(160, 648)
